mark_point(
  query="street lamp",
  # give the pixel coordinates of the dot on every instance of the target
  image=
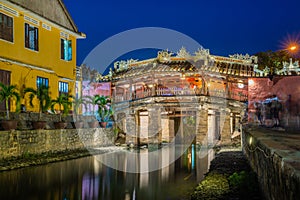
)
(293, 48)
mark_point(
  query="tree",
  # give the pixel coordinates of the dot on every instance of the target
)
(271, 59)
(77, 103)
(64, 105)
(93, 101)
(8, 92)
(42, 94)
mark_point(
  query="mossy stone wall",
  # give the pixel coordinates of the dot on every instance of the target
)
(19, 142)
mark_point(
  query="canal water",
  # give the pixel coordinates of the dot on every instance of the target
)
(88, 179)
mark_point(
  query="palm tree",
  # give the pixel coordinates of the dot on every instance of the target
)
(8, 92)
(93, 101)
(77, 103)
(64, 105)
(104, 108)
(102, 101)
(42, 94)
(105, 113)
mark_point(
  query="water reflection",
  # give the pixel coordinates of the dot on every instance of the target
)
(88, 179)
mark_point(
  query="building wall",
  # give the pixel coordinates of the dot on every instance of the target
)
(26, 64)
(261, 90)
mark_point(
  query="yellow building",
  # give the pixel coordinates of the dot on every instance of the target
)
(38, 46)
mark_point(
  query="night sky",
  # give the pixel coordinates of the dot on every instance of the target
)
(223, 26)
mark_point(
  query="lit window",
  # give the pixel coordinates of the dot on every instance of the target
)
(42, 81)
(31, 37)
(66, 49)
(63, 88)
(6, 27)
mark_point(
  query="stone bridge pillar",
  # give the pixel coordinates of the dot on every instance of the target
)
(213, 122)
(235, 124)
(130, 128)
(154, 125)
(167, 125)
(226, 130)
(201, 125)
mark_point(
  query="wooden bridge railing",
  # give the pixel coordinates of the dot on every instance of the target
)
(239, 96)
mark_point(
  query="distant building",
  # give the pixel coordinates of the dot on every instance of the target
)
(38, 45)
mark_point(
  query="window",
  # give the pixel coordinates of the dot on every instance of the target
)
(66, 49)
(31, 37)
(6, 27)
(42, 81)
(63, 88)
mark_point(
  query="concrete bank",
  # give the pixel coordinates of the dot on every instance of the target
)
(30, 147)
(275, 156)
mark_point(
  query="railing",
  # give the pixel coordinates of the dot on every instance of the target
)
(239, 96)
(174, 91)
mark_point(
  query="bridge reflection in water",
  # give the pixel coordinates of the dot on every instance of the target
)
(87, 178)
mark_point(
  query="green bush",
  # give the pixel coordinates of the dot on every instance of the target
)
(236, 180)
(214, 186)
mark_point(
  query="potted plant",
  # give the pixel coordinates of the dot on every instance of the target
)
(42, 94)
(104, 109)
(92, 100)
(9, 93)
(77, 102)
(105, 114)
(64, 106)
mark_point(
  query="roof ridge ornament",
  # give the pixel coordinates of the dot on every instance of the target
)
(201, 53)
(289, 67)
(123, 65)
(245, 57)
(183, 53)
(164, 55)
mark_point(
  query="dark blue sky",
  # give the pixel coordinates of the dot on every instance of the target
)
(223, 26)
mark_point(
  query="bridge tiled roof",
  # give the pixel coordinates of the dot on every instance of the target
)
(184, 66)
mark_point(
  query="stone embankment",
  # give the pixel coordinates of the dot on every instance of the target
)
(28, 159)
(275, 156)
(33, 147)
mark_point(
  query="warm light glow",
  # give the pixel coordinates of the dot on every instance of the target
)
(290, 44)
(292, 48)
(241, 85)
(251, 81)
(182, 77)
(250, 140)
